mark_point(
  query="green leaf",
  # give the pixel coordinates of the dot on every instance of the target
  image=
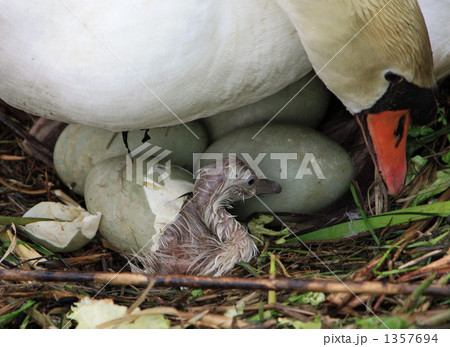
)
(435, 135)
(196, 293)
(7, 318)
(262, 316)
(416, 164)
(249, 268)
(432, 242)
(417, 131)
(441, 116)
(39, 249)
(309, 298)
(257, 229)
(441, 184)
(390, 322)
(298, 324)
(10, 257)
(25, 322)
(355, 227)
(446, 158)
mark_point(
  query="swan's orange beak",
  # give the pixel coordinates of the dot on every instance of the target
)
(388, 132)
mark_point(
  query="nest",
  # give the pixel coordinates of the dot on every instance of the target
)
(415, 253)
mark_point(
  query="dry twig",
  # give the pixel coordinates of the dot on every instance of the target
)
(368, 287)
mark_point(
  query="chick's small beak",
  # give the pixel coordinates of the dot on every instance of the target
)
(388, 132)
(265, 186)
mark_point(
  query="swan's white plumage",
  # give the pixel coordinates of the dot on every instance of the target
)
(200, 57)
(437, 18)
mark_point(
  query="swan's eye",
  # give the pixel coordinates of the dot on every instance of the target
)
(392, 77)
(251, 181)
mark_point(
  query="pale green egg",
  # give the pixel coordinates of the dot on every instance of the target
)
(304, 102)
(312, 170)
(80, 147)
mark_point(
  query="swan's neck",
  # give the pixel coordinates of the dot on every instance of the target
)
(352, 58)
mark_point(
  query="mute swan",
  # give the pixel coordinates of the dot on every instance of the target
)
(93, 61)
(125, 66)
(132, 65)
(376, 58)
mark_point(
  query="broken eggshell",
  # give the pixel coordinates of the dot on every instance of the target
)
(74, 230)
(135, 209)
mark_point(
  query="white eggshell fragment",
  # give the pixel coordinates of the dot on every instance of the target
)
(304, 102)
(79, 226)
(80, 147)
(134, 215)
(312, 170)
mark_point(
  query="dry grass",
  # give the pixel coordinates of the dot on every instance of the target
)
(415, 253)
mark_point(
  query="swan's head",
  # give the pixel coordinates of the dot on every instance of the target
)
(375, 56)
(231, 180)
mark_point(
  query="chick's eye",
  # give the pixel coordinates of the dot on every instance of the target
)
(250, 181)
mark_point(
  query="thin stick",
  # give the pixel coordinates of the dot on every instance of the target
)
(22, 190)
(141, 298)
(144, 280)
(39, 150)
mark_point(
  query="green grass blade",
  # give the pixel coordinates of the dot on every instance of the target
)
(24, 220)
(363, 215)
(354, 227)
(7, 318)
